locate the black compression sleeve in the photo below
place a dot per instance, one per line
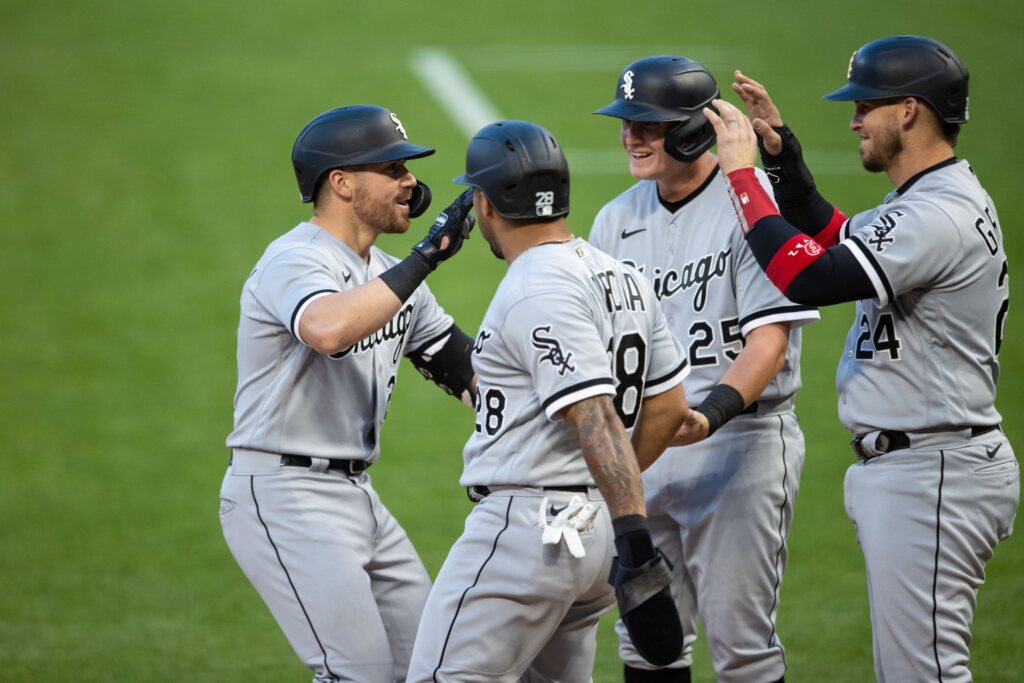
(722, 404)
(831, 278)
(403, 278)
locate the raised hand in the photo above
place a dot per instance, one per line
(764, 115)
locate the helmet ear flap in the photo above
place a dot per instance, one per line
(687, 140)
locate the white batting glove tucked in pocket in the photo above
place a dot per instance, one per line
(567, 524)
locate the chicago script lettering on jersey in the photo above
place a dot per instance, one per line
(478, 346)
(395, 329)
(553, 350)
(697, 273)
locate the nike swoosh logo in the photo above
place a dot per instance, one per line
(554, 511)
(992, 453)
(347, 276)
(630, 233)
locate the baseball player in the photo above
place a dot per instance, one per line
(572, 357)
(937, 486)
(325, 318)
(721, 509)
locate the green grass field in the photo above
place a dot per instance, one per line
(144, 166)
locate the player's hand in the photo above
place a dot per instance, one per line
(693, 429)
(449, 230)
(737, 143)
(764, 115)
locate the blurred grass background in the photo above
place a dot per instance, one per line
(144, 166)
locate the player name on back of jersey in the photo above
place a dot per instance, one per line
(619, 292)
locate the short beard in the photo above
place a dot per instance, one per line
(379, 214)
(887, 146)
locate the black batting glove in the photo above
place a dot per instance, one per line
(454, 223)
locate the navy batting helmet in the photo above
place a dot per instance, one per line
(668, 89)
(347, 136)
(908, 66)
(521, 169)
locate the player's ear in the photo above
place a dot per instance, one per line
(910, 112)
(481, 204)
(342, 182)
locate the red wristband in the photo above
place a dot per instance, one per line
(749, 198)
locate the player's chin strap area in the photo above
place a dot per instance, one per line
(567, 524)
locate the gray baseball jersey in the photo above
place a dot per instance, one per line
(567, 323)
(714, 293)
(921, 360)
(288, 397)
(922, 355)
(332, 564)
(709, 283)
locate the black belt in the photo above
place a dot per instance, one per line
(478, 493)
(890, 440)
(347, 466)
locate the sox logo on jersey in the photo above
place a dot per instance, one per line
(553, 349)
(884, 225)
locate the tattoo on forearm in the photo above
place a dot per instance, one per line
(610, 457)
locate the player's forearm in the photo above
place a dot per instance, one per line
(802, 268)
(660, 418)
(335, 322)
(762, 357)
(609, 455)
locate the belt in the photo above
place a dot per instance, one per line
(478, 493)
(889, 440)
(347, 466)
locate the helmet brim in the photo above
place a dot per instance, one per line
(643, 113)
(854, 91)
(394, 152)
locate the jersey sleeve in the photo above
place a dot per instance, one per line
(758, 301)
(554, 337)
(903, 246)
(430, 322)
(292, 281)
(668, 364)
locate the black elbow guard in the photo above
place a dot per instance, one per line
(447, 361)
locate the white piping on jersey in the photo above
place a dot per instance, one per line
(869, 269)
(302, 309)
(795, 318)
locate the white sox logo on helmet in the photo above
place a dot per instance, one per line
(627, 85)
(398, 125)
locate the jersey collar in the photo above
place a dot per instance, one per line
(913, 179)
(673, 207)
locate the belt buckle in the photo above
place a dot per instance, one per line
(477, 493)
(355, 467)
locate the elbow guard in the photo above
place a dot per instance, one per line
(447, 361)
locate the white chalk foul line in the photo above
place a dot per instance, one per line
(453, 89)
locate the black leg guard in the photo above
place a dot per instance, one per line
(632, 675)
